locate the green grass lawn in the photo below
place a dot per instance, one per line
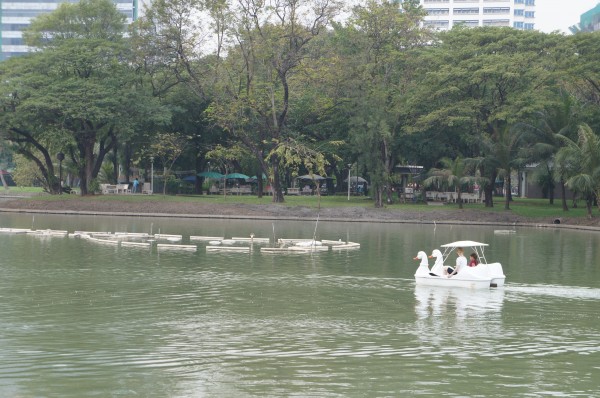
(521, 206)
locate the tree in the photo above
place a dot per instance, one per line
(78, 94)
(168, 148)
(375, 62)
(551, 124)
(582, 159)
(484, 80)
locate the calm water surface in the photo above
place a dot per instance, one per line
(86, 320)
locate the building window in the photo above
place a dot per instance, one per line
(438, 11)
(463, 11)
(528, 26)
(496, 10)
(470, 23)
(519, 13)
(496, 22)
(529, 14)
(529, 2)
(519, 1)
(437, 24)
(518, 25)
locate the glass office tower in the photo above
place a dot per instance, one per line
(17, 14)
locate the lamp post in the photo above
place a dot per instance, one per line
(60, 156)
(152, 174)
(349, 170)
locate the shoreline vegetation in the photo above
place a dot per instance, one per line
(524, 212)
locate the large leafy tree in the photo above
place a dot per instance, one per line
(485, 80)
(77, 94)
(259, 77)
(376, 64)
(581, 159)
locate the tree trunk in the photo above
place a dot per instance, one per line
(507, 189)
(277, 192)
(459, 198)
(563, 195)
(588, 204)
(259, 182)
(488, 191)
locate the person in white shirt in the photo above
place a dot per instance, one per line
(461, 262)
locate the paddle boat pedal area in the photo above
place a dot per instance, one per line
(482, 276)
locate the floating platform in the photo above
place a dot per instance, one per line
(14, 230)
(295, 249)
(255, 240)
(135, 244)
(48, 232)
(207, 238)
(504, 231)
(103, 241)
(172, 238)
(236, 249)
(165, 246)
(348, 245)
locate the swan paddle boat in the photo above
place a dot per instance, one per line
(482, 276)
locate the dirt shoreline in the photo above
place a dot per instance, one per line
(88, 205)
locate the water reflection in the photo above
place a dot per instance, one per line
(442, 301)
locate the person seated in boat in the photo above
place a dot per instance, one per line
(461, 262)
(473, 260)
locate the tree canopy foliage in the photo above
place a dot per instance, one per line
(294, 88)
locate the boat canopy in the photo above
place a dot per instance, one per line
(464, 243)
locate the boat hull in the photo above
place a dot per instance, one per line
(455, 281)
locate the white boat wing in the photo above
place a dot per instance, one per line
(465, 243)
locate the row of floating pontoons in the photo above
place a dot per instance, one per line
(213, 243)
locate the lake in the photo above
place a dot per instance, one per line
(81, 319)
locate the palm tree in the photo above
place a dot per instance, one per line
(454, 173)
(553, 124)
(581, 160)
(502, 154)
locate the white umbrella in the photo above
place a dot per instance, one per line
(314, 177)
(356, 179)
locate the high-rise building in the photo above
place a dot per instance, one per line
(15, 15)
(590, 20)
(444, 14)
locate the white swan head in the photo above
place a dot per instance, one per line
(423, 257)
(437, 255)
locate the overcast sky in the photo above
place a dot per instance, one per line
(551, 15)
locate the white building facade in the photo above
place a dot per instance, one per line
(15, 15)
(444, 14)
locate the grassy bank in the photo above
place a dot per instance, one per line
(533, 208)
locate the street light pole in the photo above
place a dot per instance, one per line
(349, 170)
(152, 174)
(60, 156)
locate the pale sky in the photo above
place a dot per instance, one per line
(551, 15)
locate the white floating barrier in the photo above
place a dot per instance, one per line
(237, 249)
(48, 232)
(292, 241)
(103, 241)
(294, 249)
(164, 246)
(219, 238)
(135, 244)
(172, 238)
(349, 245)
(257, 240)
(332, 242)
(125, 235)
(504, 231)
(14, 230)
